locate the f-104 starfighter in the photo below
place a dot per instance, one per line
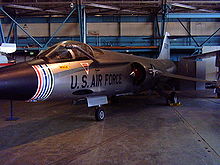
(75, 70)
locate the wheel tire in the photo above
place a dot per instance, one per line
(99, 114)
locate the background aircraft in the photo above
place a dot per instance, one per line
(5, 49)
(214, 84)
(74, 70)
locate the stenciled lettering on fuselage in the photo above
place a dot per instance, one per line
(45, 82)
(96, 80)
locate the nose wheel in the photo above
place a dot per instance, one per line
(99, 114)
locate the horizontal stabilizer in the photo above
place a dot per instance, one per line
(203, 55)
(7, 48)
(166, 74)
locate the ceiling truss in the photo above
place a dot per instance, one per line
(105, 7)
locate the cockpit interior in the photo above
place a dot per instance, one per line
(67, 51)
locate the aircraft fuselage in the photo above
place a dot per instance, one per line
(77, 79)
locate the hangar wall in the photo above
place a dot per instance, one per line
(115, 29)
(175, 28)
(204, 28)
(72, 29)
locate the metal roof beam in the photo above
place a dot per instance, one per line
(195, 2)
(84, 2)
(32, 8)
(3, 11)
(111, 8)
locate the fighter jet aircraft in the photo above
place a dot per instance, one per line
(75, 70)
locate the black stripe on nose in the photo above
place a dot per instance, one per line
(18, 82)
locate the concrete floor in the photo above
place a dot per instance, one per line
(137, 130)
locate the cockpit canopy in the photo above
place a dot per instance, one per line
(67, 51)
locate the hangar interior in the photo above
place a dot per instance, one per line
(139, 130)
(125, 26)
(135, 27)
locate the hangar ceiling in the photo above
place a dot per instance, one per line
(106, 7)
(133, 23)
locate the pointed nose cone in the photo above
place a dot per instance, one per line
(17, 82)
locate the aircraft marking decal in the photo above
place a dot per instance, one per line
(153, 71)
(64, 67)
(45, 82)
(52, 82)
(86, 67)
(39, 82)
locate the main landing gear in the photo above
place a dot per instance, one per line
(99, 113)
(97, 102)
(173, 99)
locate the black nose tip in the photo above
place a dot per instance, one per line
(18, 82)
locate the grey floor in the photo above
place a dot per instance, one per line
(137, 130)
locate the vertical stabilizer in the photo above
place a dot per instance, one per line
(165, 50)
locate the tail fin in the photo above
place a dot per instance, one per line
(165, 50)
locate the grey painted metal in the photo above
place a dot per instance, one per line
(58, 29)
(108, 74)
(97, 101)
(64, 89)
(20, 27)
(1, 32)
